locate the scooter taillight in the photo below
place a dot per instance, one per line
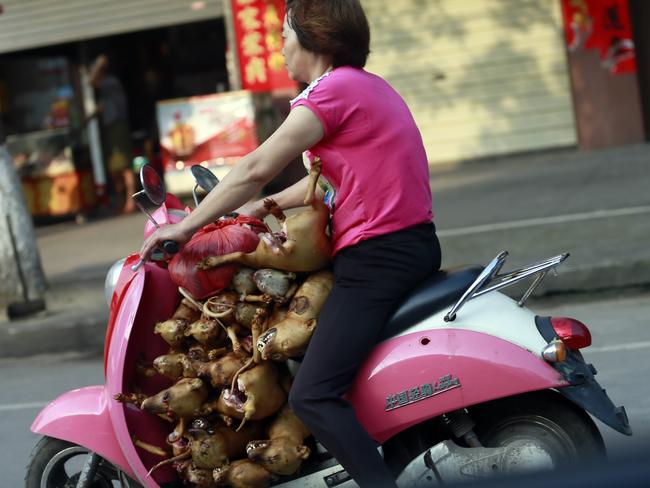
(572, 332)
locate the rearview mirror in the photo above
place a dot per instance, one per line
(204, 179)
(152, 185)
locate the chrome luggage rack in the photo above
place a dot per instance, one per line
(489, 279)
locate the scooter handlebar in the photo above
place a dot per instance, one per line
(170, 247)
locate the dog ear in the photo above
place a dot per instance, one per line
(303, 452)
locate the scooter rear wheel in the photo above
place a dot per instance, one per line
(540, 431)
(57, 464)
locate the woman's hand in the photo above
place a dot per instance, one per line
(171, 232)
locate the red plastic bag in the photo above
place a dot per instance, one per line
(222, 237)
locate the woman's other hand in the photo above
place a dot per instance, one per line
(171, 232)
(253, 209)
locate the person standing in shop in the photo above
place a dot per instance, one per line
(112, 110)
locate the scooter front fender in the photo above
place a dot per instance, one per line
(151, 297)
(418, 376)
(82, 417)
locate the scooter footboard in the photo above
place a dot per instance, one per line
(81, 416)
(418, 376)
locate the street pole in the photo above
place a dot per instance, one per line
(232, 59)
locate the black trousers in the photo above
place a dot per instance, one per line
(370, 278)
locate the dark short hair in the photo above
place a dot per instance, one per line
(336, 28)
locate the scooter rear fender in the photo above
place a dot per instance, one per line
(82, 417)
(418, 376)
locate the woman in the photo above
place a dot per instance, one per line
(383, 238)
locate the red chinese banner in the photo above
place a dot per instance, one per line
(604, 25)
(258, 30)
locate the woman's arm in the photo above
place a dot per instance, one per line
(300, 131)
(290, 197)
(294, 196)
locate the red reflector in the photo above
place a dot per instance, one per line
(572, 332)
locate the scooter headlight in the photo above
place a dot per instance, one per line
(111, 280)
(555, 352)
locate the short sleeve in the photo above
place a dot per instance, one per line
(323, 99)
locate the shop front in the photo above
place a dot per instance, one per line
(164, 50)
(40, 115)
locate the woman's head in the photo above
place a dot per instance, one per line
(336, 29)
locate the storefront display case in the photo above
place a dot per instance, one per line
(52, 184)
(45, 139)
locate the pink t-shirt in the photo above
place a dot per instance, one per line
(372, 155)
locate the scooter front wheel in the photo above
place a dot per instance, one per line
(58, 464)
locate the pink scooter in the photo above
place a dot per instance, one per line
(463, 383)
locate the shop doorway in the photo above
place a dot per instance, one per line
(160, 64)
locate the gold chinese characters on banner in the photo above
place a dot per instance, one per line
(258, 30)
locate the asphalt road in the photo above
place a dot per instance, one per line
(621, 342)
(537, 185)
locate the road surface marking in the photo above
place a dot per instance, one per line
(22, 406)
(557, 219)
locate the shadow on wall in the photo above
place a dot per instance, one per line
(492, 63)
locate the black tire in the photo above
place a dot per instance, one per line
(58, 463)
(558, 432)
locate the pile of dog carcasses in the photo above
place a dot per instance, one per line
(229, 421)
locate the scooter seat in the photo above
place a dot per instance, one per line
(440, 290)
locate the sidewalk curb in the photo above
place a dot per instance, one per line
(55, 333)
(602, 277)
(588, 279)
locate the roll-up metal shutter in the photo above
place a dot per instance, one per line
(27, 24)
(482, 77)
